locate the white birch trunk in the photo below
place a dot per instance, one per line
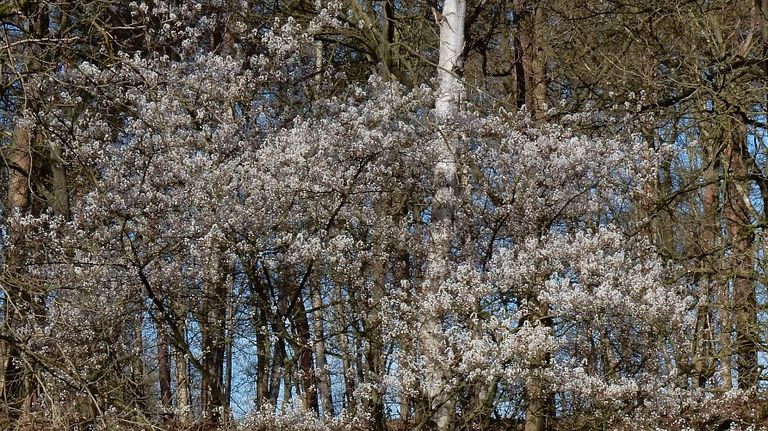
(450, 90)
(448, 103)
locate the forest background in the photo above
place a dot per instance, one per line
(383, 214)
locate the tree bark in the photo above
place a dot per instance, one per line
(18, 300)
(306, 362)
(263, 349)
(741, 239)
(212, 391)
(347, 358)
(323, 376)
(163, 366)
(374, 356)
(183, 394)
(277, 372)
(449, 98)
(529, 18)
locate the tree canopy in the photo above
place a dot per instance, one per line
(383, 215)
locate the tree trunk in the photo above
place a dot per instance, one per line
(347, 360)
(738, 215)
(374, 358)
(263, 349)
(539, 401)
(529, 18)
(163, 366)
(183, 394)
(323, 376)
(59, 198)
(306, 365)
(18, 300)
(451, 90)
(277, 372)
(212, 389)
(447, 104)
(229, 340)
(536, 410)
(385, 44)
(19, 162)
(530, 22)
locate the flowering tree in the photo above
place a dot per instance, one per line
(251, 233)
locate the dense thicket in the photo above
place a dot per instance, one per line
(383, 214)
